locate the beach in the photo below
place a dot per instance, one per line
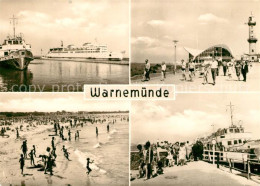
(109, 151)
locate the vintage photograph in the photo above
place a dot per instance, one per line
(60, 45)
(196, 45)
(63, 140)
(198, 139)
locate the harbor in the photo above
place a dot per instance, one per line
(61, 76)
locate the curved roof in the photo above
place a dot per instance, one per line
(196, 52)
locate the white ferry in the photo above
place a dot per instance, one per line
(232, 143)
(14, 52)
(87, 51)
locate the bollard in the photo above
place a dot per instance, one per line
(248, 170)
(218, 160)
(230, 166)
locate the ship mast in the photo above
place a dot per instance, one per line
(13, 20)
(231, 113)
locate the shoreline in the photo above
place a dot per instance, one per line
(122, 62)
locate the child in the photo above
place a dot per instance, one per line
(31, 154)
(88, 162)
(230, 67)
(21, 163)
(163, 71)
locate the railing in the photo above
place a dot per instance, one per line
(247, 162)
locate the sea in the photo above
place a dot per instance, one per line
(110, 152)
(62, 76)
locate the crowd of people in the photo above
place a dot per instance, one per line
(212, 64)
(46, 162)
(153, 158)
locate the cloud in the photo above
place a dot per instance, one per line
(143, 41)
(209, 17)
(156, 22)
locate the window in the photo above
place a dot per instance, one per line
(229, 143)
(6, 53)
(231, 130)
(235, 142)
(252, 50)
(22, 53)
(240, 141)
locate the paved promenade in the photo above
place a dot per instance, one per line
(223, 83)
(196, 174)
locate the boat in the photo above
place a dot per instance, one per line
(231, 143)
(14, 52)
(86, 51)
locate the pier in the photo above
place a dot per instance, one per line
(196, 173)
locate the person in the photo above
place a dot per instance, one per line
(88, 168)
(230, 68)
(34, 150)
(52, 142)
(66, 153)
(182, 154)
(205, 74)
(21, 163)
(147, 71)
(191, 69)
(224, 64)
(17, 133)
(214, 67)
(77, 134)
(96, 132)
(107, 128)
(46, 156)
(183, 69)
(69, 134)
(238, 69)
(148, 157)
(163, 66)
(24, 148)
(140, 161)
(31, 157)
(219, 66)
(244, 70)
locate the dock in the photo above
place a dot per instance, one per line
(196, 173)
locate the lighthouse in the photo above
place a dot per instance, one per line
(252, 39)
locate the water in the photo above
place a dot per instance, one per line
(62, 76)
(109, 152)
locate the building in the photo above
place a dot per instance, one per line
(220, 51)
(252, 39)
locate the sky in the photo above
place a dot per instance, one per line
(45, 23)
(191, 116)
(48, 102)
(196, 24)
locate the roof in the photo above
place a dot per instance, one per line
(196, 52)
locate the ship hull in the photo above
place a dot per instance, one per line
(18, 60)
(99, 56)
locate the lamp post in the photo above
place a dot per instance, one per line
(175, 45)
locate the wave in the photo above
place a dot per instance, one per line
(98, 145)
(113, 131)
(82, 158)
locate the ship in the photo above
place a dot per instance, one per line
(14, 52)
(87, 51)
(231, 143)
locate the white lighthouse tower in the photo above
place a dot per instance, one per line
(252, 39)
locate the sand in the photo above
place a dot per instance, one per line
(66, 172)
